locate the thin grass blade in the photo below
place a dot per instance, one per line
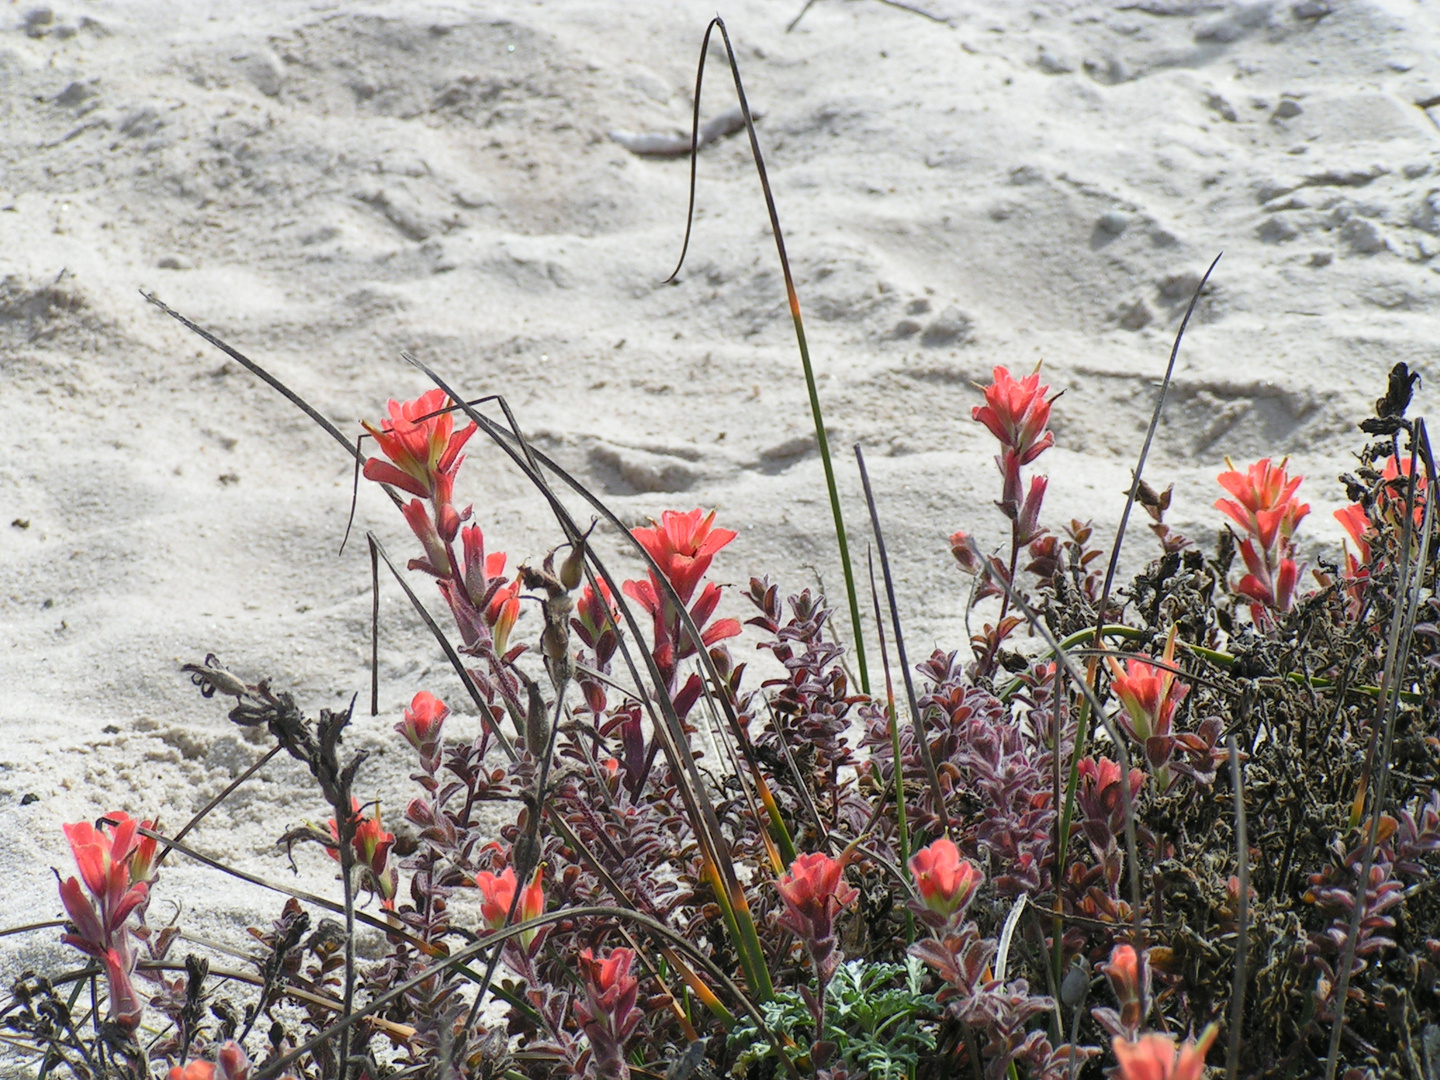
(822, 440)
(937, 795)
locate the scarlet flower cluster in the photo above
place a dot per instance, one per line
(1150, 694)
(946, 882)
(231, 1063)
(421, 728)
(497, 894)
(607, 1010)
(1016, 412)
(115, 865)
(682, 546)
(814, 891)
(1265, 508)
(1156, 1056)
(423, 452)
(371, 844)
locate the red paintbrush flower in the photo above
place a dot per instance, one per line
(946, 883)
(421, 444)
(421, 728)
(814, 889)
(683, 545)
(1149, 693)
(607, 1011)
(1129, 978)
(497, 893)
(230, 1063)
(1016, 413)
(371, 844)
(1156, 1057)
(1264, 505)
(115, 863)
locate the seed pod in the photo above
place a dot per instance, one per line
(572, 570)
(537, 731)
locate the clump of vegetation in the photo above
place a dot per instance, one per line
(1193, 821)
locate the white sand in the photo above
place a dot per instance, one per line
(326, 184)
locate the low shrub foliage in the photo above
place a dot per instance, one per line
(1213, 810)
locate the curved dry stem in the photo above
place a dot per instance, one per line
(1145, 451)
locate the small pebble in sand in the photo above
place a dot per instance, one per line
(1114, 222)
(1287, 108)
(1051, 64)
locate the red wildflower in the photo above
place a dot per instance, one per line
(498, 893)
(946, 882)
(371, 845)
(1357, 523)
(607, 1012)
(683, 545)
(502, 613)
(230, 1064)
(1149, 693)
(1265, 507)
(423, 446)
(1099, 797)
(1264, 504)
(114, 863)
(814, 889)
(421, 728)
(1016, 413)
(610, 988)
(1156, 1057)
(1129, 979)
